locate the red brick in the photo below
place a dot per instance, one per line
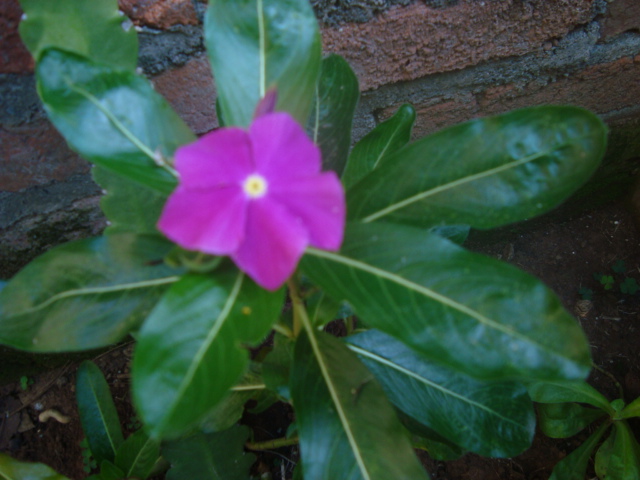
(604, 89)
(35, 154)
(160, 13)
(406, 43)
(14, 57)
(190, 90)
(622, 16)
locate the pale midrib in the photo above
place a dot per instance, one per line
(211, 336)
(102, 417)
(262, 46)
(422, 290)
(116, 123)
(447, 186)
(139, 455)
(386, 147)
(446, 391)
(334, 397)
(99, 290)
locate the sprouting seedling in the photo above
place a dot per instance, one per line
(606, 281)
(585, 293)
(619, 266)
(629, 286)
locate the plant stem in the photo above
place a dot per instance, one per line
(271, 444)
(612, 378)
(299, 311)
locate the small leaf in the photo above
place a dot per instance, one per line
(606, 281)
(85, 294)
(129, 206)
(467, 311)
(190, 350)
(629, 286)
(91, 28)
(489, 418)
(98, 414)
(569, 391)
(619, 266)
(347, 428)
(332, 115)
(603, 456)
(256, 45)
(624, 463)
(11, 469)
(574, 465)
(562, 420)
(137, 455)
(212, 456)
(386, 139)
(112, 118)
(276, 367)
(631, 410)
(484, 173)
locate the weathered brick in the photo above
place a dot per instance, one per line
(190, 90)
(14, 57)
(35, 154)
(622, 16)
(604, 89)
(160, 13)
(410, 42)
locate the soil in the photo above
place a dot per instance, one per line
(564, 254)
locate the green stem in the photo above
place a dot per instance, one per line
(271, 444)
(299, 311)
(612, 378)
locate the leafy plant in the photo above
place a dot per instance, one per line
(562, 413)
(448, 336)
(627, 285)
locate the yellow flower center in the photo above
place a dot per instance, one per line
(255, 186)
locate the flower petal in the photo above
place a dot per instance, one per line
(212, 222)
(319, 202)
(222, 157)
(273, 245)
(282, 148)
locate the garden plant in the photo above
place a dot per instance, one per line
(273, 223)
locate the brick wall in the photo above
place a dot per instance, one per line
(454, 60)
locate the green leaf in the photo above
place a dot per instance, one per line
(467, 311)
(569, 391)
(108, 471)
(276, 367)
(91, 28)
(255, 45)
(98, 414)
(332, 115)
(492, 419)
(137, 455)
(624, 463)
(129, 206)
(347, 428)
(574, 465)
(603, 455)
(386, 139)
(629, 286)
(11, 469)
(562, 420)
(190, 350)
(111, 117)
(631, 410)
(484, 173)
(214, 456)
(84, 294)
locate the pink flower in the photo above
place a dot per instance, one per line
(258, 196)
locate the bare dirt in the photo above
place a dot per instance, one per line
(565, 255)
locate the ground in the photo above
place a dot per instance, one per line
(567, 255)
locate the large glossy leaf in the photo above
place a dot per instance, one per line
(562, 420)
(111, 117)
(11, 469)
(190, 350)
(347, 427)
(85, 294)
(91, 28)
(493, 419)
(386, 139)
(470, 312)
(129, 206)
(484, 173)
(332, 114)
(214, 456)
(137, 455)
(255, 45)
(98, 414)
(574, 466)
(624, 463)
(569, 391)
